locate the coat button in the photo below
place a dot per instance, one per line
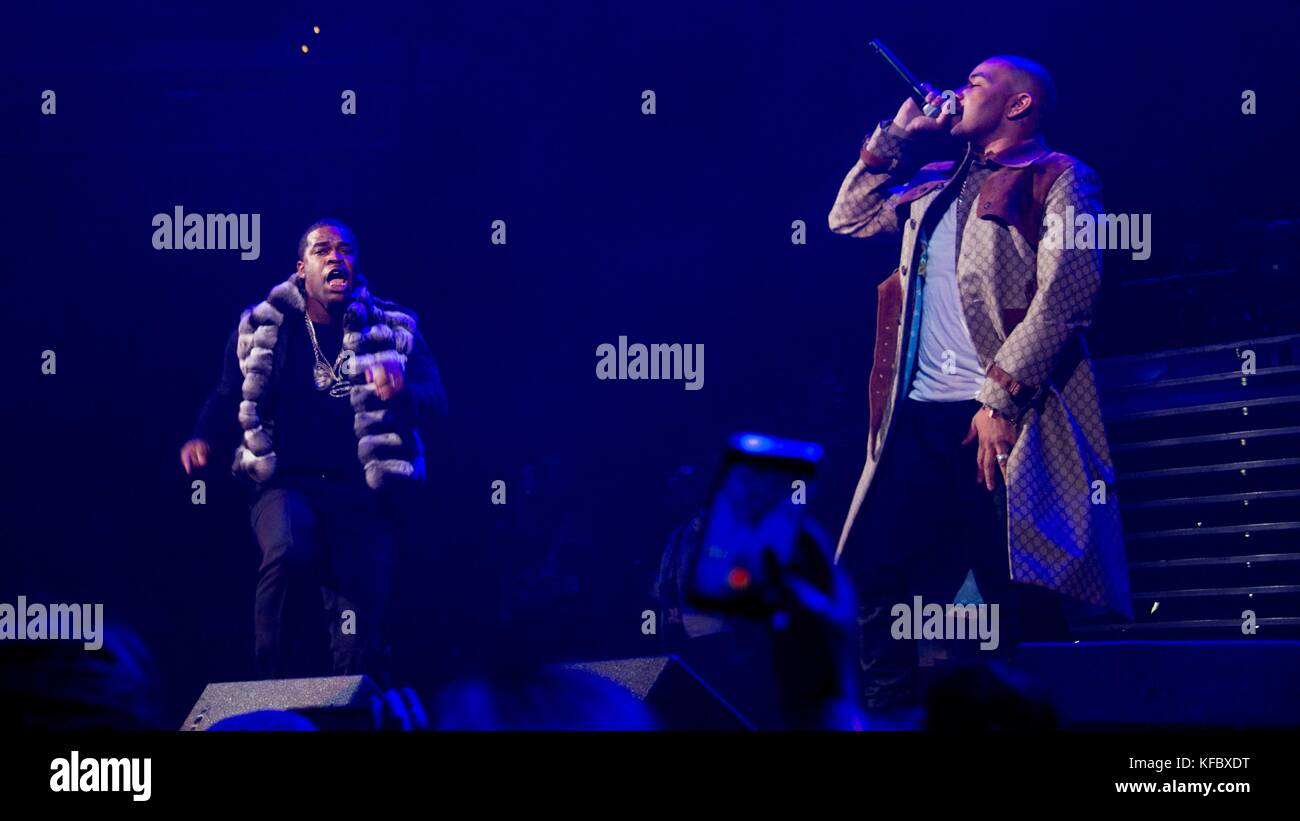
(911, 223)
(903, 270)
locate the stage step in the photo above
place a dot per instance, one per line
(1129, 684)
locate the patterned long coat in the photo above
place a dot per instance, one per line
(1026, 304)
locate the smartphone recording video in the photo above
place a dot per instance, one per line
(753, 523)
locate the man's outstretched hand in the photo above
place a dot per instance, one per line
(194, 454)
(389, 379)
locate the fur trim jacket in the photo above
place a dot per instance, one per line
(375, 331)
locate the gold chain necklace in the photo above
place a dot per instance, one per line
(327, 376)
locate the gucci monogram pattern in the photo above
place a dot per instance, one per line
(1026, 306)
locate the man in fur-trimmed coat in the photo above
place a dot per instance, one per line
(986, 449)
(324, 393)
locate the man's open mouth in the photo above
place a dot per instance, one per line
(337, 280)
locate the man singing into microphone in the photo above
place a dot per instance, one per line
(986, 450)
(324, 393)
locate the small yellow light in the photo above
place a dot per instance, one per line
(304, 48)
(315, 29)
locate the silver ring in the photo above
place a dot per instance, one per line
(1002, 457)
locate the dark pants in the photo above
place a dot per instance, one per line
(324, 544)
(925, 524)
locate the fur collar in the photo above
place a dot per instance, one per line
(374, 331)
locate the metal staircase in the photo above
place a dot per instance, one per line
(1199, 376)
(1206, 444)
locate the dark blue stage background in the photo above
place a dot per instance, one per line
(667, 228)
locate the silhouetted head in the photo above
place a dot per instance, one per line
(61, 685)
(981, 698)
(550, 699)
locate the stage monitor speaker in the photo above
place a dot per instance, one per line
(679, 697)
(231, 698)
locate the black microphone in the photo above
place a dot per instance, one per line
(913, 85)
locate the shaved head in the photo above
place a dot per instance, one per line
(1031, 78)
(1006, 99)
